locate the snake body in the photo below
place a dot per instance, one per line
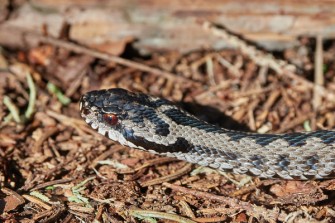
(158, 126)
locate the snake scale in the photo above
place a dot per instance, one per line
(158, 126)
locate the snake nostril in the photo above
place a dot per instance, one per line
(85, 111)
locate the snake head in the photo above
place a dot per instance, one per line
(122, 115)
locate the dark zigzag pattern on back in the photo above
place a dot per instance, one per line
(181, 145)
(103, 98)
(293, 139)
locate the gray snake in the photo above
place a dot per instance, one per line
(159, 126)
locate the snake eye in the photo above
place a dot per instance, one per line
(111, 119)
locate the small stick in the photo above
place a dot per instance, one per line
(51, 183)
(169, 177)
(259, 57)
(37, 201)
(105, 56)
(142, 214)
(253, 210)
(318, 73)
(265, 59)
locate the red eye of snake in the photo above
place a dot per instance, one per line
(111, 119)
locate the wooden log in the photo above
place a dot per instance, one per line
(173, 24)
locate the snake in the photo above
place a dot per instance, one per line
(159, 126)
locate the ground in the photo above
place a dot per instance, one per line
(54, 168)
